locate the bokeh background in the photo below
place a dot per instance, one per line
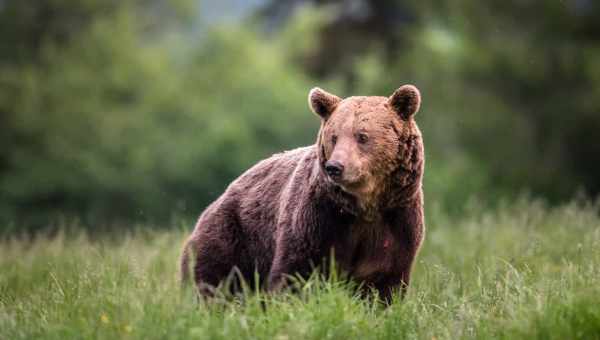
(117, 112)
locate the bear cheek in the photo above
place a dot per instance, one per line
(385, 159)
(364, 167)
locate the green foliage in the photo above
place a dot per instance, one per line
(521, 272)
(119, 111)
(111, 125)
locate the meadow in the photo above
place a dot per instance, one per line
(522, 270)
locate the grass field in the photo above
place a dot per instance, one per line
(521, 271)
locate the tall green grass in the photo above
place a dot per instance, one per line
(521, 271)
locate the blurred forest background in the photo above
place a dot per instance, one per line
(121, 111)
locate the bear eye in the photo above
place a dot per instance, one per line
(333, 139)
(362, 138)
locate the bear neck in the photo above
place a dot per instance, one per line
(404, 184)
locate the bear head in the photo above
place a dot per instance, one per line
(370, 147)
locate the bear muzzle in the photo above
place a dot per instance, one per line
(334, 170)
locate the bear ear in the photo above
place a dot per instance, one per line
(406, 101)
(322, 102)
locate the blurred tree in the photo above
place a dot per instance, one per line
(125, 110)
(510, 87)
(352, 29)
(115, 123)
(541, 61)
(63, 65)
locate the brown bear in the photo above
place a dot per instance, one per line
(356, 195)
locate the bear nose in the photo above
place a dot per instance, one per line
(334, 168)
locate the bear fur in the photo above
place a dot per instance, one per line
(355, 195)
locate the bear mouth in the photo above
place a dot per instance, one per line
(350, 186)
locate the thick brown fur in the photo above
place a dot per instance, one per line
(286, 214)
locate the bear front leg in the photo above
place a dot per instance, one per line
(288, 262)
(295, 254)
(394, 283)
(399, 279)
(408, 232)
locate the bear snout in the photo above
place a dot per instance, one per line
(334, 169)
